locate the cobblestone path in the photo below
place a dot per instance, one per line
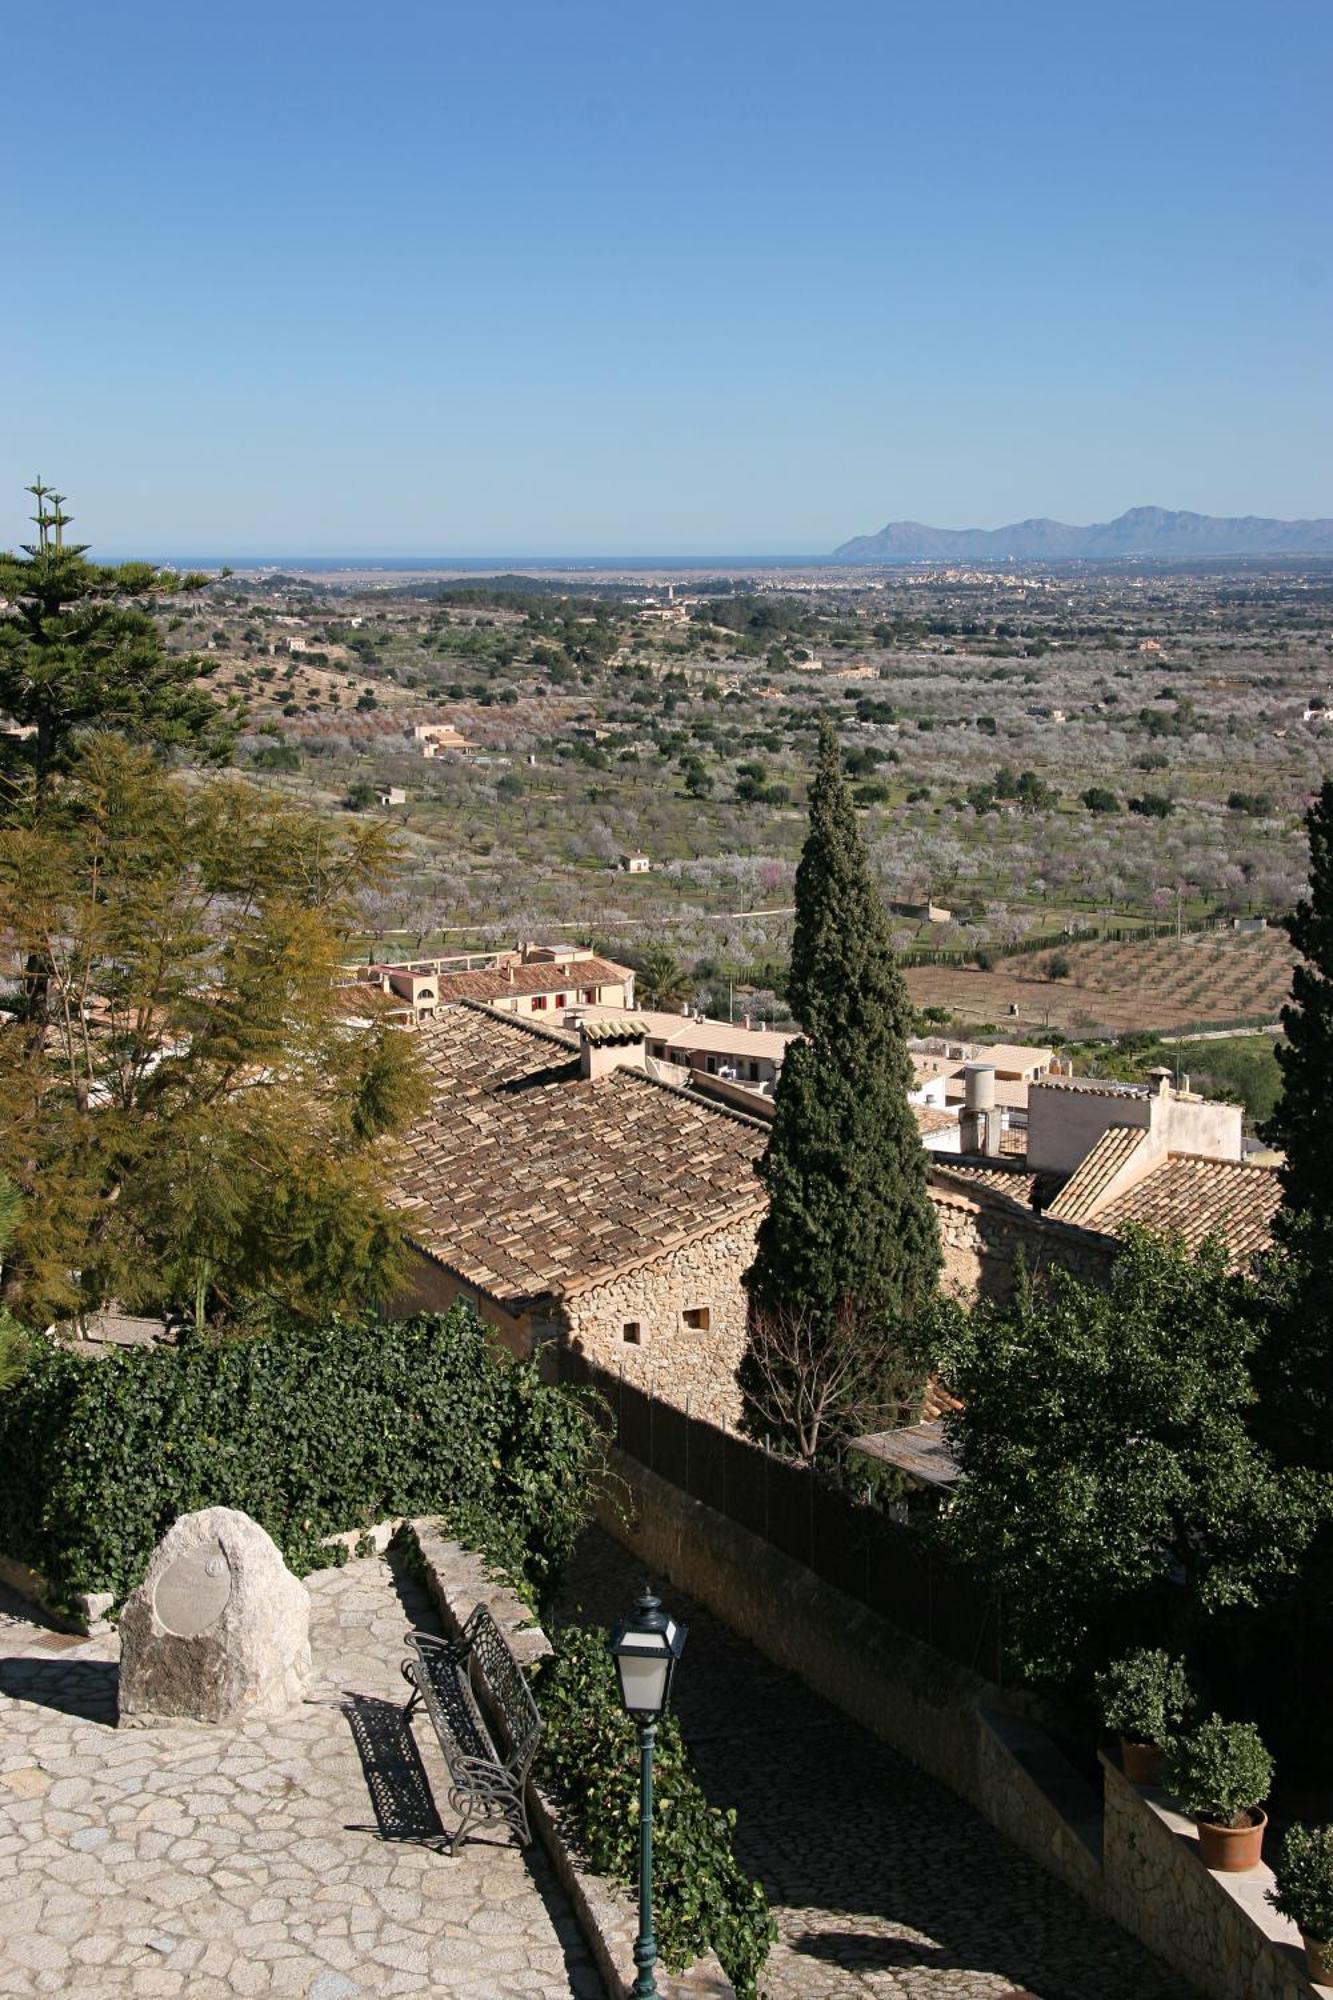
(883, 1883)
(206, 1863)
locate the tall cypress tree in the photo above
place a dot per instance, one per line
(850, 1221)
(1294, 1366)
(1300, 1123)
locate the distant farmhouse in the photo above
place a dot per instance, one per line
(532, 979)
(441, 739)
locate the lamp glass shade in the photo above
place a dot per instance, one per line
(643, 1681)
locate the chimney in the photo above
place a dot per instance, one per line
(982, 1121)
(608, 1045)
(745, 1022)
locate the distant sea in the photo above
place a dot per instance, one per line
(482, 564)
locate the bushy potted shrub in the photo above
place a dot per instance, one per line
(1145, 1697)
(1304, 1892)
(1220, 1772)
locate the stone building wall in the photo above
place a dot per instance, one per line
(683, 1364)
(981, 1242)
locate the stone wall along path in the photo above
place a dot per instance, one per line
(883, 1883)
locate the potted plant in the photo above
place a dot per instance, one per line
(1304, 1892)
(1219, 1772)
(1145, 1697)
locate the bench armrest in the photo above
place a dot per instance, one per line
(431, 1642)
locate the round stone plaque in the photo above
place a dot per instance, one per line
(193, 1593)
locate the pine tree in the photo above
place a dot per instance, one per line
(80, 651)
(1300, 1123)
(849, 1222)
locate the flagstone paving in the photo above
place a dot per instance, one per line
(207, 1863)
(883, 1883)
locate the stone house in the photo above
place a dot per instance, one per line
(574, 1199)
(580, 1201)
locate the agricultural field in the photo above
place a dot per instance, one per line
(1061, 753)
(1162, 985)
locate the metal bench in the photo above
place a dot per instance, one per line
(463, 1683)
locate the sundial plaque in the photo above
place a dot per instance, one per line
(192, 1594)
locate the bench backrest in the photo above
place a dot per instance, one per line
(504, 1681)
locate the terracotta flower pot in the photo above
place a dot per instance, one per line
(1141, 1762)
(1319, 1958)
(1232, 1849)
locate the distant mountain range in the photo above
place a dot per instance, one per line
(1143, 531)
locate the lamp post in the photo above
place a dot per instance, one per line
(646, 1647)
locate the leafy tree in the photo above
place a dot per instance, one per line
(1098, 799)
(15, 1343)
(660, 980)
(849, 1224)
(1112, 1488)
(80, 651)
(188, 1114)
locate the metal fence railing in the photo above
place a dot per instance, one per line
(885, 1565)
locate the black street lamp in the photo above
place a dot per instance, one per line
(646, 1647)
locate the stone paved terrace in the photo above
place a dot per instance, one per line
(205, 1863)
(883, 1882)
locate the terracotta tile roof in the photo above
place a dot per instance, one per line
(1196, 1197)
(1091, 1086)
(572, 977)
(929, 1118)
(965, 1176)
(528, 1180)
(1082, 1194)
(937, 1401)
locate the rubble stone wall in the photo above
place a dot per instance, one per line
(982, 1243)
(683, 1364)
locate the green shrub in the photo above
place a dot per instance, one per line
(309, 1430)
(1145, 1696)
(702, 1898)
(1219, 1771)
(1304, 1886)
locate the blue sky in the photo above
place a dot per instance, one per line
(735, 278)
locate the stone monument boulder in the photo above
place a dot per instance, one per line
(218, 1630)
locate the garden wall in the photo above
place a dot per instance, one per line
(1217, 1931)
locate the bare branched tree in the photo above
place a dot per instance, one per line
(815, 1381)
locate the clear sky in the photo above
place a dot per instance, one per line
(514, 277)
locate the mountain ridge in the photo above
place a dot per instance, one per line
(1140, 531)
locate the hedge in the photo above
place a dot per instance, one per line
(310, 1431)
(702, 1898)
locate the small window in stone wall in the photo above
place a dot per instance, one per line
(697, 1317)
(632, 1332)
